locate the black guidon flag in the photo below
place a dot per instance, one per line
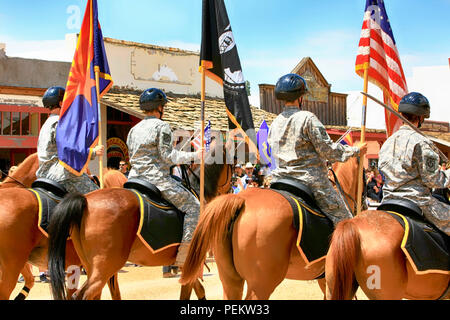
(219, 57)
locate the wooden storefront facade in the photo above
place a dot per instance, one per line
(329, 107)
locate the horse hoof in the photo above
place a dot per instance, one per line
(23, 294)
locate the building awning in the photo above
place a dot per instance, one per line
(183, 112)
(443, 145)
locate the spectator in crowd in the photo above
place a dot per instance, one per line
(123, 167)
(374, 185)
(248, 176)
(267, 181)
(238, 171)
(170, 271)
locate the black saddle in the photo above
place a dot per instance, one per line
(148, 189)
(426, 247)
(49, 186)
(160, 223)
(403, 206)
(298, 189)
(48, 193)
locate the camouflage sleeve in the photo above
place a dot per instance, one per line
(323, 144)
(168, 153)
(428, 166)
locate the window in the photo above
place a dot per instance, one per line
(21, 120)
(6, 123)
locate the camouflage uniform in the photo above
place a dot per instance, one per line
(410, 166)
(151, 156)
(301, 146)
(49, 166)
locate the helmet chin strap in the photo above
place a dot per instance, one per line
(421, 120)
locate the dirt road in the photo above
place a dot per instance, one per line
(147, 283)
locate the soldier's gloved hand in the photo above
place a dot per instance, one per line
(199, 152)
(99, 150)
(362, 148)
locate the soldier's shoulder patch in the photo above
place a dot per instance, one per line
(166, 139)
(430, 164)
(324, 133)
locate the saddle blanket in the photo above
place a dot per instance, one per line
(47, 201)
(426, 248)
(160, 224)
(314, 229)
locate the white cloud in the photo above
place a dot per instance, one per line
(52, 50)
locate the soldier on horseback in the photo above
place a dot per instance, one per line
(410, 164)
(49, 166)
(301, 146)
(151, 151)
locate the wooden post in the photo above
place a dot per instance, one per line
(363, 139)
(100, 136)
(202, 117)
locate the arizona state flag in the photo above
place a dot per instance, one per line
(219, 56)
(78, 127)
(347, 139)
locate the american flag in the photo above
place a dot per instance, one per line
(197, 142)
(378, 52)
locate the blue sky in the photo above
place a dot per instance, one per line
(272, 35)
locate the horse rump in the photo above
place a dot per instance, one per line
(212, 229)
(67, 213)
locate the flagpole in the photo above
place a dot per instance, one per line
(362, 139)
(100, 136)
(202, 117)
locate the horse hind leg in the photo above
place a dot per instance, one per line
(232, 282)
(9, 273)
(199, 290)
(102, 272)
(29, 282)
(186, 291)
(113, 285)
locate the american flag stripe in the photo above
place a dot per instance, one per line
(197, 142)
(378, 52)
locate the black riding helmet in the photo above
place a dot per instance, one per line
(290, 87)
(415, 103)
(52, 97)
(152, 98)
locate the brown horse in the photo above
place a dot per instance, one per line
(21, 240)
(261, 249)
(365, 251)
(103, 227)
(113, 179)
(23, 177)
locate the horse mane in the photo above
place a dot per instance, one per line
(25, 173)
(212, 172)
(114, 179)
(348, 179)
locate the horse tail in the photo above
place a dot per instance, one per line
(65, 215)
(345, 249)
(212, 229)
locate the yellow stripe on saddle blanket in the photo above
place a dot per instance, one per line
(160, 225)
(46, 202)
(314, 229)
(426, 248)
